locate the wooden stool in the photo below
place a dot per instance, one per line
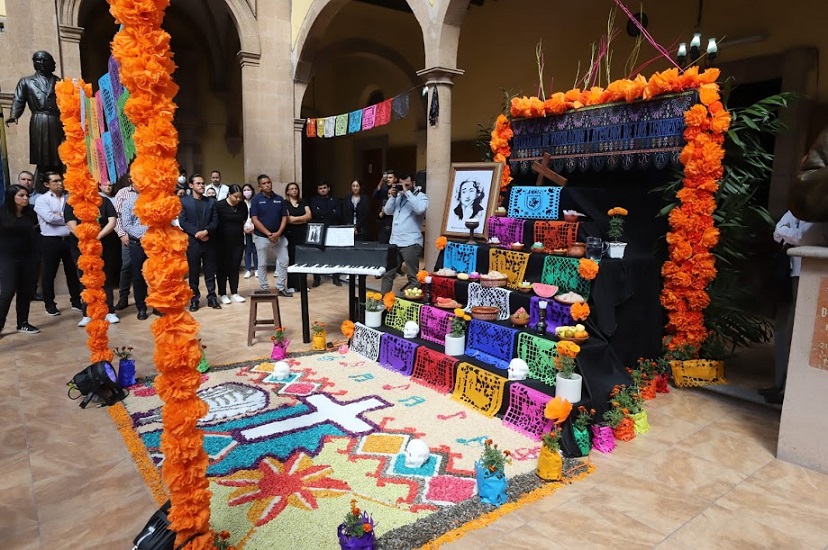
(254, 324)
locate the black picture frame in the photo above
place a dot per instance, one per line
(315, 235)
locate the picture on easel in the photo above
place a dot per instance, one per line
(472, 195)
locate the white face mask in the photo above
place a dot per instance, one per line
(248, 193)
(182, 179)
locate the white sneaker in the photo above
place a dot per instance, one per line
(112, 318)
(238, 299)
(225, 299)
(247, 274)
(84, 321)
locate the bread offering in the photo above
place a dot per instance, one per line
(570, 298)
(445, 272)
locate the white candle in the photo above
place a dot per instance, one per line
(682, 50)
(428, 279)
(542, 304)
(696, 41)
(712, 48)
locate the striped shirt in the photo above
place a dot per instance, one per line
(129, 220)
(118, 201)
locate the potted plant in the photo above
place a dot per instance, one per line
(616, 231)
(203, 364)
(280, 343)
(320, 336)
(126, 366)
(567, 382)
(456, 338)
(689, 370)
(628, 399)
(373, 309)
(221, 541)
(550, 463)
(603, 436)
(356, 532)
(580, 429)
(491, 474)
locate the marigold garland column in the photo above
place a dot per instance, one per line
(85, 200)
(142, 48)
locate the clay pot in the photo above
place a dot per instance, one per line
(577, 250)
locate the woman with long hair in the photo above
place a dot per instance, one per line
(232, 215)
(355, 210)
(299, 214)
(251, 261)
(18, 266)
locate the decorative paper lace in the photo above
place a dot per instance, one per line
(434, 324)
(510, 263)
(491, 343)
(539, 353)
(485, 296)
(555, 234)
(535, 203)
(508, 230)
(397, 354)
(525, 413)
(434, 369)
(401, 312)
(557, 314)
(582, 439)
(442, 287)
(640, 423)
(366, 341)
(563, 273)
(462, 258)
(603, 439)
(479, 389)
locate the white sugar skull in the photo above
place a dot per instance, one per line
(518, 369)
(416, 453)
(281, 370)
(411, 329)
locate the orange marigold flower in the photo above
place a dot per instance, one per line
(421, 276)
(579, 312)
(389, 300)
(224, 535)
(367, 527)
(557, 409)
(441, 243)
(587, 269)
(347, 328)
(708, 93)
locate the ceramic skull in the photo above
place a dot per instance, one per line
(411, 329)
(518, 369)
(416, 453)
(281, 370)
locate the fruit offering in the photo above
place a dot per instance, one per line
(414, 293)
(463, 276)
(577, 332)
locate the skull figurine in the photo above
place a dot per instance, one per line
(518, 369)
(416, 453)
(411, 329)
(281, 370)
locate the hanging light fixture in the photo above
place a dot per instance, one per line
(711, 53)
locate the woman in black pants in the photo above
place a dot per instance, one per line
(232, 213)
(18, 267)
(299, 214)
(355, 209)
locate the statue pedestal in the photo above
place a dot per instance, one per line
(804, 420)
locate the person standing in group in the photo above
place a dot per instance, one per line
(111, 254)
(269, 216)
(355, 209)
(125, 279)
(135, 231)
(299, 215)
(25, 179)
(199, 221)
(218, 188)
(408, 205)
(55, 244)
(325, 208)
(384, 221)
(251, 264)
(18, 227)
(232, 215)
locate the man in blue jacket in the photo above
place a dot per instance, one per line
(198, 219)
(408, 204)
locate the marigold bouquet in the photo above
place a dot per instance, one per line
(587, 269)
(441, 243)
(373, 302)
(458, 322)
(279, 335)
(613, 417)
(584, 417)
(616, 223)
(357, 523)
(567, 351)
(552, 439)
(317, 327)
(494, 459)
(124, 352)
(347, 328)
(627, 399)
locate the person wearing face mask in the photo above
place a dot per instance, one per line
(251, 264)
(232, 215)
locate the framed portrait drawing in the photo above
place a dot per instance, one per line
(316, 234)
(474, 188)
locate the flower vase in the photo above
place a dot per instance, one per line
(279, 350)
(568, 388)
(455, 345)
(616, 250)
(640, 423)
(697, 372)
(491, 486)
(603, 439)
(126, 372)
(550, 464)
(203, 365)
(346, 542)
(648, 390)
(373, 319)
(625, 430)
(661, 383)
(582, 439)
(319, 341)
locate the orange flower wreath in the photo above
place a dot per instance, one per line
(142, 48)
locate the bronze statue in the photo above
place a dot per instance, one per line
(45, 129)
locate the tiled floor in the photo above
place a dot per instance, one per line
(704, 477)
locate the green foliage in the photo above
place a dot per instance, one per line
(613, 416)
(552, 440)
(740, 220)
(584, 417)
(494, 459)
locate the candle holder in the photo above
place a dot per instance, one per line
(427, 291)
(540, 327)
(472, 225)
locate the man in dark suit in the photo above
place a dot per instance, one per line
(45, 129)
(198, 219)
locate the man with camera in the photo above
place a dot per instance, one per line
(407, 204)
(384, 221)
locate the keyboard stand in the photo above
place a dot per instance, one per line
(356, 297)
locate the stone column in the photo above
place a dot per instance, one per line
(298, 131)
(70, 38)
(438, 151)
(804, 423)
(253, 154)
